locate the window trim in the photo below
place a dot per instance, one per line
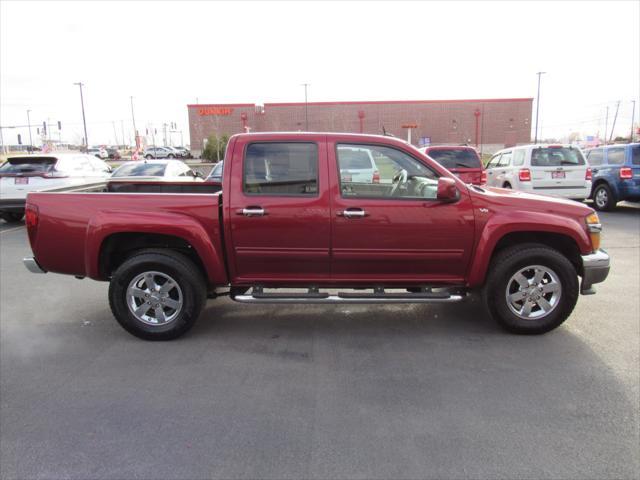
(367, 197)
(296, 195)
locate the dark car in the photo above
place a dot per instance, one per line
(462, 161)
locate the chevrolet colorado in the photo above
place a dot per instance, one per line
(290, 226)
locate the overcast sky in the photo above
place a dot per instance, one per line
(168, 54)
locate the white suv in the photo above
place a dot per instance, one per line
(548, 169)
(358, 166)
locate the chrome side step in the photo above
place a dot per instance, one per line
(379, 296)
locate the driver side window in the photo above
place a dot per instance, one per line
(375, 171)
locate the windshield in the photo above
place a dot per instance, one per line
(141, 170)
(556, 157)
(22, 165)
(354, 159)
(455, 158)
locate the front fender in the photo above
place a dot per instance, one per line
(183, 226)
(502, 224)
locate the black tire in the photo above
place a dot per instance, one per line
(506, 264)
(171, 156)
(507, 185)
(12, 217)
(177, 266)
(603, 199)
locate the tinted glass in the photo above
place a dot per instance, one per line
(595, 157)
(456, 158)
(355, 158)
(518, 158)
(26, 165)
(397, 175)
(140, 170)
(635, 155)
(281, 169)
(556, 157)
(615, 156)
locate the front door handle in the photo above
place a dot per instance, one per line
(353, 213)
(252, 212)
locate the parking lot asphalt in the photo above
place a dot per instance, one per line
(424, 391)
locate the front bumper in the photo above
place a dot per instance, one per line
(32, 265)
(595, 269)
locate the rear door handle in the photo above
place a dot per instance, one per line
(353, 213)
(252, 212)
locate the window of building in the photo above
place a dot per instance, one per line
(281, 169)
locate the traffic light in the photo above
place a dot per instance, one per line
(19, 139)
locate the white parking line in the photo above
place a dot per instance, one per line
(12, 229)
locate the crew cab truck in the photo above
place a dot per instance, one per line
(289, 227)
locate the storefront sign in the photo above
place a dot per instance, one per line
(202, 111)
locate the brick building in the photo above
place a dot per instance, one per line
(490, 124)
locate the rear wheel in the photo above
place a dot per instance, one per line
(603, 199)
(531, 289)
(12, 217)
(157, 294)
(171, 156)
(507, 185)
(148, 157)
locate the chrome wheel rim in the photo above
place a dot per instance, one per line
(154, 298)
(533, 292)
(601, 197)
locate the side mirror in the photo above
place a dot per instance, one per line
(447, 191)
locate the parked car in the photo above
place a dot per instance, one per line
(216, 173)
(185, 152)
(113, 153)
(176, 152)
(462, 161)
(616, 174)
(158, 152)
(358, 166)
(23, 174)
(426, 237)
(99, 152)
(559, 170)
(164, 170)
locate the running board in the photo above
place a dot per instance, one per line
(379, 296)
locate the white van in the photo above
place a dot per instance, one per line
(548, 169)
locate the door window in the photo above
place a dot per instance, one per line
(595, 156)
(505, 161)
(494, 161)
(281, 169)
(615, 156)
(375, 171)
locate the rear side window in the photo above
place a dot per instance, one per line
(456, 158)
(27, 165)
(615, 156)
(518, 158)
(635, 155)
(595, 156)
(281, 169)
(556, 157)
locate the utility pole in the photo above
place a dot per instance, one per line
(306, 107)
(614, 121)
(633, 118)
(538, 105)
(31, 141)
(122, 128)
(115, 135)
(133, 118)
(84, 121)
(606, 125)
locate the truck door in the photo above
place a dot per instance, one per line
(278, 210)
(392, 229)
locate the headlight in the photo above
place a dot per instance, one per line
(594, 227)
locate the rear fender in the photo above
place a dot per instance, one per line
(187, 228)
(502, 224)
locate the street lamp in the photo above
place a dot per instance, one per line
(306, 109)
(84, 121)
(538, 105)
(29, 123)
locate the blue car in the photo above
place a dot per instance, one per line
(616, 174)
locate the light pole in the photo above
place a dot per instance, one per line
(31, 141)
(306, 108)
(84, 121)
(133, 118)
(633, 118)
(538, 105)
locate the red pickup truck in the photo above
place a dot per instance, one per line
(289, 227)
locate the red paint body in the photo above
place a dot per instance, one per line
(303, 240)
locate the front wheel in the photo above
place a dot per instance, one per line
(148, 157)
(157, 294)
(171, 156)
(603, 198)
(531, 289)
